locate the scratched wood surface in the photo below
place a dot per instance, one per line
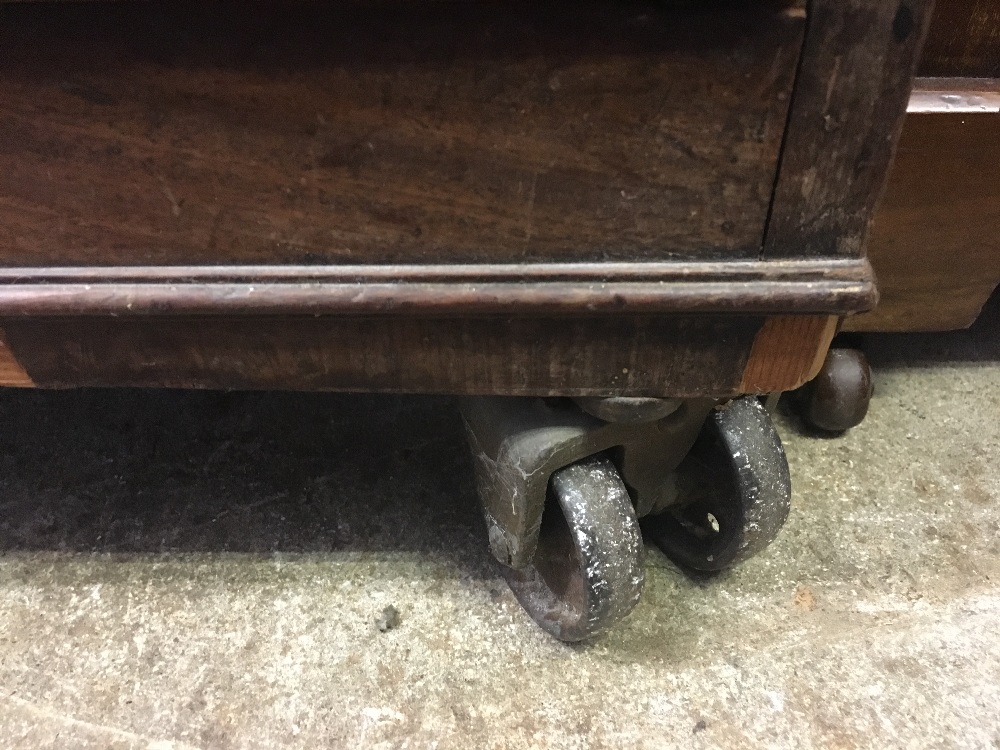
(684, 356)
(171, 133)
(443, 133)
(964, 40)
(857, 68)
(746, 287)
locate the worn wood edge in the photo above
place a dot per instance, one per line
(788, 352)
(950, 95)
(950, 295)
(815, 117)
(883, 320)
(802, 270)
(714, 287)
(11, 372)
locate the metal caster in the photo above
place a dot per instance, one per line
(837, 398)
(733, 492)
(587, 570)
(561, 491)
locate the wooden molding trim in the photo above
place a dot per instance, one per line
(954, 95)
(746, 287)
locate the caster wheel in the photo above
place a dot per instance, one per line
(837, 399)
(586, 573)
(732, 492)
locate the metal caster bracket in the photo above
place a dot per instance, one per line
(519, 443)
(562, 489)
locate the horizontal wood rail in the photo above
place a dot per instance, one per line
(696, 287)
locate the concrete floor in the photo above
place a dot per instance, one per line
(185, 570)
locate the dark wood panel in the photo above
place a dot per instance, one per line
(333, 132)
(641, 356)
(964, 40)
(850, 99)
(935, 245)
(690, 356)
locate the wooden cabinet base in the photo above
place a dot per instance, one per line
(684, 356)
(581, 199)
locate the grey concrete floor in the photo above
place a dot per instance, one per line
(185, 570)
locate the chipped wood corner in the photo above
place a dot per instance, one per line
(11, 372)
(787, 352)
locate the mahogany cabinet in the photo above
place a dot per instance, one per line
(656, 209)
(522, 198)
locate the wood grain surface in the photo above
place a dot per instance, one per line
(788, 351)
(683, 356)
(675, 355)
(935, 245)
(964, 40)
(398, 165)
(274, 132)
(737, 287)
(850, 99)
